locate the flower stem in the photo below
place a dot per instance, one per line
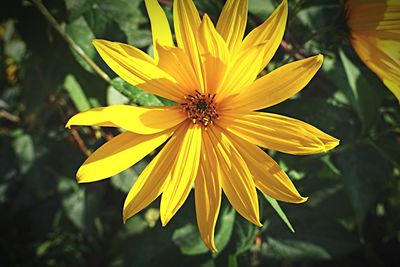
(45, 12)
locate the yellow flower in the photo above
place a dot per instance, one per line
(375, 35)
(212, 136)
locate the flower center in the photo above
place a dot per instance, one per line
(200, 108)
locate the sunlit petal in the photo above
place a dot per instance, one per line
(237, 181)
(183, 174)
(375, 35)
(186, 24)
(214, 55)
(152, 180)
(141, 120)
(241, 72)
(232, 23)
(160, 29)
(279, 133)
(267, 175)
(119, 154)
(208, 194)
(138, 69)
(176, 62)
(276, 86)
(270, 32)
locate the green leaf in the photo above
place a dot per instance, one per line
(128, 16)
(279, 210)
(80, 32)
(73, 201)
(138, 96)
(124, 180)
(364, 172)
(295, 250)
(363, 96)
(76, 8)
(243, 235)
(313, 226)
(114, 97)
(188, 239)
(261, 8)
(76, 93)
(15, 49)
(25, 151)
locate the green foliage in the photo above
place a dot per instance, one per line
(48, 219)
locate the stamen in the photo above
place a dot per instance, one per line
(200, 108)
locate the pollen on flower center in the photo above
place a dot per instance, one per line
(200, 108)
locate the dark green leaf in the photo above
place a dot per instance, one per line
(364, 172)
(188, 239)
(135, 94)
(25, 151)
(279, 211)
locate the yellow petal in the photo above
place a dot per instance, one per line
(278, 132)
(183, 173)
(237, 182)
(214, 55)
(232, 23)
(186, 24)
(270, 32)
(176, 62)
(118, 154)
(267, 175)
(276, 86)
(138, 69)
(364, 16)
(152, 180)
(208, 194)
(159, 26)
(382, 57)
(141, 120)
(241, 72)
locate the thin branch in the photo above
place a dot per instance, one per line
(7, 115)
(77, 138)
(45, 12)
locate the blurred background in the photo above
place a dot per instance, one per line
(49, 71)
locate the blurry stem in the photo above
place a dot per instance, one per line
(68, 39)
(77, 138)
(166, 3)
(7, 115)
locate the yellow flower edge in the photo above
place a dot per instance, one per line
(375, 36)
(213, 138)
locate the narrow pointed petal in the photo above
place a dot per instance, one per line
(241, 72)
(138, 69)
(278, 85)
(118, 154)
(152, 180)
(232, 23)
(237, 181)
(159, 26)
(267, 174)
(278, 133)
(176, 62)
(208, 194)
(183, 174)
(186, 24)
(270, 32)
(141, 120)
(214, 55)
